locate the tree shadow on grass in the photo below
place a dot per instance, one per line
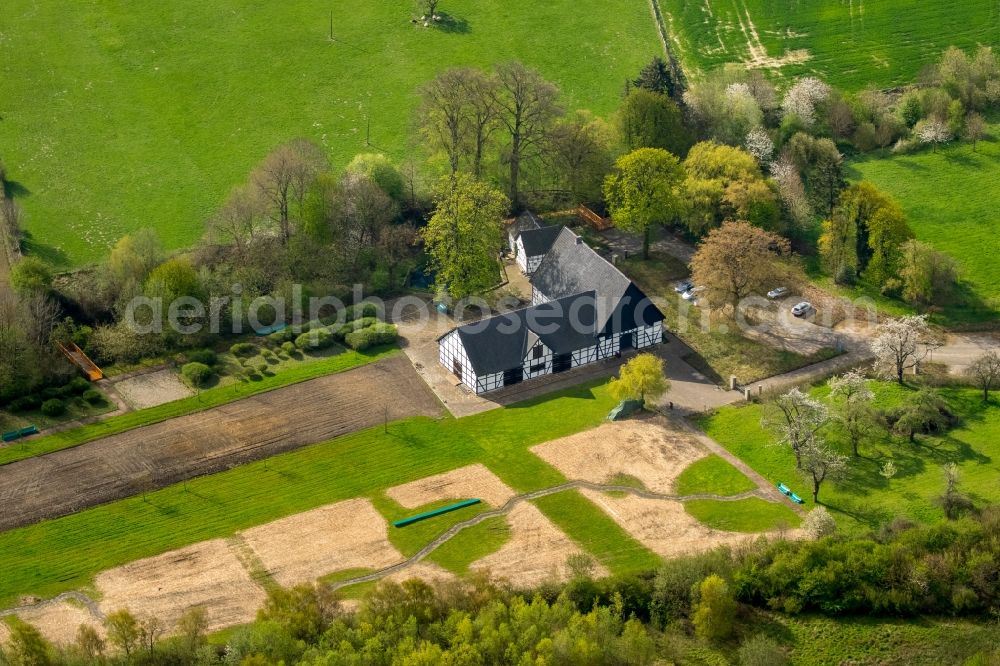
(15, 190)
(446, 23)
(47, 253)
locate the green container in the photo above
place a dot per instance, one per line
(436, 512)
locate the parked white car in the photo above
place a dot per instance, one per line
(803, 309)
(778, 292)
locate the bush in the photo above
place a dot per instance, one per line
(77, 386)
(761, 651)
(282, 336)
(197, 374)
(377, 334)
(54, 407)
(819, 523)
(26, 403)
(244, 349)
(93, 396)
(288, 347)
(319, 338)
(203, 356)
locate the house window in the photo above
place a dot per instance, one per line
(537, 352)
(538, 367)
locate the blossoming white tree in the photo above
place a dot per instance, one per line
(802, 98)
(760, 145)
(897, 345)
(796, 418)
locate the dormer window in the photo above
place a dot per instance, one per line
(537, 352)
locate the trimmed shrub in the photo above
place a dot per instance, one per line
(54, 407)
(244, 349)
(361, 310)
(197, 374)
(52, 392)
(26, 403)
(203, 356)
(288, 347)
(77, 386)
(377, 334)
(320, 338)
(93, 396)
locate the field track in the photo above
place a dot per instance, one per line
(162, 454)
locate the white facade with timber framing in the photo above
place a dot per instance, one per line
(583, 310)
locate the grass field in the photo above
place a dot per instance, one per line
(949, 198)
(118, 116)
(850, 43)
(865, 499)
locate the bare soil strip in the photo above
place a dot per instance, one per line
(152, 389)
(165, 453)
(663, 526)
(306, 546)
(463, 483)
(536, 552)
(205, 574)
(645, 449)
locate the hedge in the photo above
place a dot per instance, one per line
(320, 338)
(243, 349)
(53, 407)
(376, 334)
(203, 356)
(197, 374)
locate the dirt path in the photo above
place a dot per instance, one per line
(162, 454)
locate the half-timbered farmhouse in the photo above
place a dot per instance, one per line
(531, 247)
(583, 310)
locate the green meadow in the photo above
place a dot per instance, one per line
(119, 116)
(949, 197)
(865, 499)
(850, 43)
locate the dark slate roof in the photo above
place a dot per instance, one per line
(539, 241)
(523, 222)
(500, 343)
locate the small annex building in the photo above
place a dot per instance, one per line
(532, 245)
(583, 310)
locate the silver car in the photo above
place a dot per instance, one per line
(692, 293)
(803, 309)
(683, 286)
(777, 293)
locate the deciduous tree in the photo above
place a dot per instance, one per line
(651, 120)
(852, 407)
(641, 378)
(578, 153)
(821, 463)
(796, 419)
(975, 129)
(465, 234)
(644, 191)
(929, 277)
(985, 372)
(714, 610)
(526, 106)
(284, 177)
(739, 259)
(897, 345)
(725, 183)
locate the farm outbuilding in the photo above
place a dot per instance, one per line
(532, 245)
(583, 310)
(524, 222)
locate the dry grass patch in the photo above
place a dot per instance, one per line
(205, 574)
(155, 388)
(663, 526)
(425, 571)
(536, 552)
(306, 546)
(58, 623)
(644, 449)
(462, 483)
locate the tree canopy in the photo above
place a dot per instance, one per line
(644, 190)
(465, 234)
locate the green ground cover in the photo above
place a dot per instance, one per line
(949, 198)
(76, 408)
(118, 116)
(746, 515)
(850, 44)
(712, 475)
(199, 402)
(65, 553)
(470, 544)
(718, 351)
(865, 499)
